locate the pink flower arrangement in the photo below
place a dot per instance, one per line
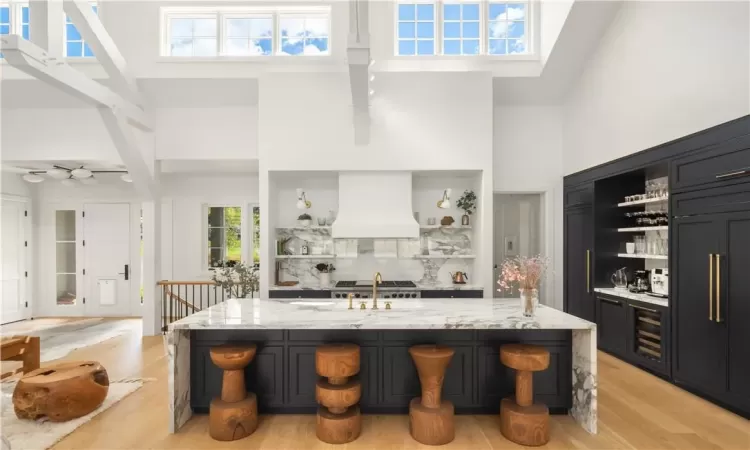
(526, 271)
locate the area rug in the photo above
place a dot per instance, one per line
(39, 435)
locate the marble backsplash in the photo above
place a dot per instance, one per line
(356, 259)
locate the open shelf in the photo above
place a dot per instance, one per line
(641, 256)
(637, 229)
(644, 202)
(443, 256)
(447, 227)
(305, 256)
(301, 228)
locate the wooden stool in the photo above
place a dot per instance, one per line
(339, 420)
(20, 348)
(235, 414)
(430, 418)
(62, 391)
(521, 420)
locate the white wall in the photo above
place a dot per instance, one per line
(12, 184)
(183, 227)
(528, 158)
(553, 14)
(663, 70)
(203, 133)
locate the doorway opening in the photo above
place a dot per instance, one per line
(517, 232)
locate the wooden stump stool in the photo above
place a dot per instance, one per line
(430, 418)
(339, 420)
(235, 414)
(521, 420)
(62, 391)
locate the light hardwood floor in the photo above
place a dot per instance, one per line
(636, 411)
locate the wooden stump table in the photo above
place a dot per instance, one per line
(235, 414)
(61, 392)
(430, 417)
(339, 420)
(521, 420)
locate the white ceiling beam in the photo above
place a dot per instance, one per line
(125, 141)
(90, 26)
(358, 58)
(46, 26)
(33, 60)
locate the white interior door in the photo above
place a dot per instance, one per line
(14, 306)
(106, 232)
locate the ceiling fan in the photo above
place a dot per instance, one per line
(69, 176)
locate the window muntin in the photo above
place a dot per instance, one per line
(25, 22)
(304, 34)
(75, 46)
(193, 35)
(461, 28)
(415, 29)
(224, 235)
(248, 35)
(506, 28)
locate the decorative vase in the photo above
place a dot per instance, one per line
(305, 222)
(325, 279)
(529, 301)
(447, 221)
(465, 220)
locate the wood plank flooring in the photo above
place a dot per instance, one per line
(636, 411)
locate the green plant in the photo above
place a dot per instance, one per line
(239, 280)
(304, 217)
(467, 201)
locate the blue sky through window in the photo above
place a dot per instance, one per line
(75, 47)
(461, 29)
(507, 28)
(304, 34)
(193, 36)
(249, 36)
(416, 29)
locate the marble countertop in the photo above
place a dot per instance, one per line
(434, 313)
(425, 287)
(634, 296)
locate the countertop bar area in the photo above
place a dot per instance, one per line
(287, 331)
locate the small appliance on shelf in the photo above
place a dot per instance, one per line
(640, 282)
(659, 283)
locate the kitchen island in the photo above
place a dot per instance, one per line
(286, 332)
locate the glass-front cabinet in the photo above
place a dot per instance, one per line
(65, 257)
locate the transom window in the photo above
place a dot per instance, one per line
(201, 32)
(14, 19)
(75, 47)
(462, 27)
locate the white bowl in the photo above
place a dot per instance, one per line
(305, 223)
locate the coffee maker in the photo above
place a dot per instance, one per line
(641, 281)
(660, 283)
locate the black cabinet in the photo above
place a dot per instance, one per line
(648, 336)
(612, 325)
(725, 162)
(711, 354)
(578, 269)
(299, 293)
(451, 293)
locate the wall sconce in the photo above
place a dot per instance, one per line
(445, 202)
(302, 201)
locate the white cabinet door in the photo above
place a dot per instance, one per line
(14, 269)
(107, 282)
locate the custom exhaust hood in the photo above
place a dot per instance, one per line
(375, 205)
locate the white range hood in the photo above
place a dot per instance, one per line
(375, 205)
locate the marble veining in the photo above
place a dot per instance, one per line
(178, 366)
(622, 293)
(585, 379)
(434, 313)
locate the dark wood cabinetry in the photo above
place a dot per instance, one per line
(451, 293)
(579, 248)
(725, 162)
(612, 324)
(299, 293)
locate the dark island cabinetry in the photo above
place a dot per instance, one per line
(579, 248)
(283, 372)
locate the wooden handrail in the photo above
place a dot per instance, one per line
(186, 283)
(180, 300)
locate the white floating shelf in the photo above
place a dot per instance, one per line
(641, 256)
(635, 229)
(301, 228)
(447, 227)
(644, 202)
(305, 256)
(444, 256)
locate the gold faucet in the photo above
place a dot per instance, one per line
(350, 297)
(377, 280)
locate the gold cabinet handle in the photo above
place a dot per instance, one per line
(588, 271)
(718, 288)
(710, 286)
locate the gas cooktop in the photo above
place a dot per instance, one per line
(367, 284)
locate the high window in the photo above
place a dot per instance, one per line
(462, 27)
(75, 47)
(207, 32)
(224, 235)
(14, 19)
